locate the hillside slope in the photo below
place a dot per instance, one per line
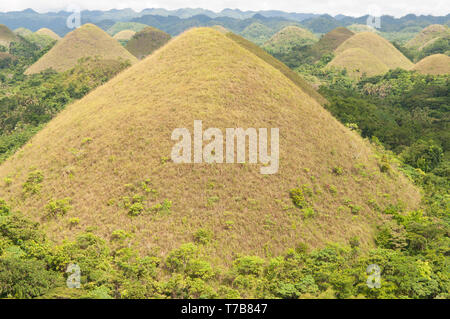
(433, 64)
(124, 35)
(330, 41)
(6, 36)
(86, 41)
(358, 62)
(379, 47)
(109, 156)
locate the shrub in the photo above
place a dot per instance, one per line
(203, 236)
(58, 207)
(338, 171)
(32, 185)
(249, 265)
(179, 258)
(162, 208)
(308, 212)
(197, 268)
(298, 198)
(4, 208)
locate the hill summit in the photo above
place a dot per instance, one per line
(86, 41)
(428, 34)
(377, 46)
(109, 156)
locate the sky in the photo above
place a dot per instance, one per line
(396, 8)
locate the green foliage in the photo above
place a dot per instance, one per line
(201, 236)
(298, 198)
(58, 207)
(33, 183)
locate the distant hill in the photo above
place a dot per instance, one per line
(23, 32)
(430, 33)
(331, 41)
(288, 38)
(124, 35)
(144, 42)
(379, 47)
(359, 62)
(257, 33)
(86, 41)
(124, 26)
(433, 64)
(49, 33)
(108, 155)
(6, 36)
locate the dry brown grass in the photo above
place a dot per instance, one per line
(48, 33)
(379, 47)
(120, 133)
(86, 41)
(358, 62)
(433, 64)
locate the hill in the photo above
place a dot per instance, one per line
(6, 36)
(428, 34)
(288, 38)
(144, 42)
(124, 35)
(357, 28)
(433, 64)
(121, 26)
(106, 160)
(257, 33)
(49, 33)
(86, 41)
(331, 41)
(23, 32)
(379, 47)
(358, 62)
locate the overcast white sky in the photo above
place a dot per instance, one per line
(396, 8)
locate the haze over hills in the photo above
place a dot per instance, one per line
(379, 47)
(110, 151)
(433, 64)
(86, 41)
(146, 41)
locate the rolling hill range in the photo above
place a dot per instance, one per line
(433, 64)
(377, 46)
(86, 41)
(288, 38)
(122, 26)
(428, 34)
(6, 36)
(146, 41)
(358, 62)
(109, 156)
